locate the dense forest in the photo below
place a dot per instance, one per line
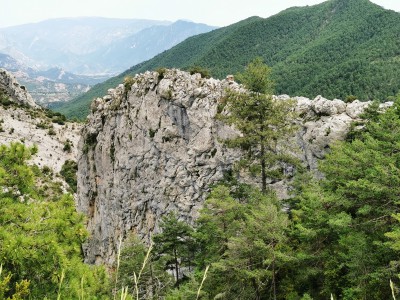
(335, 238)
(338, 49)
(341, 235)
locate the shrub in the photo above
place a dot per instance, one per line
(161, 73)
(68, 172)
(205, 73)
(128, 82)
(67, 146)
(51, 131)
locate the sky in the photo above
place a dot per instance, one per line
(211, 12)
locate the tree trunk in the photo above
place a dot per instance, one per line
(263, 170)
(176, 266)
(256, 288)
(273, 277)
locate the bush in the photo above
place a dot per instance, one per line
(161, 73)
(67, 146)
(205, 73)
(128, 82)
(68, 172)
(52, 131)
(5, 100)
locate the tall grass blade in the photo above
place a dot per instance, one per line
(124, 293)
(201, 284)
(137, 278)
(118, 262)
(59, 286)
(392, 288)
(82, 291)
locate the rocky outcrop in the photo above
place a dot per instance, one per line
(31, 125)
(156, 147)
(16, 92)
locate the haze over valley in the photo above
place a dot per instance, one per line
(147, 157)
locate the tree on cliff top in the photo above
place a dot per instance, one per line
(263, 122)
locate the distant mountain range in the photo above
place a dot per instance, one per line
(93, 45)
(338, 48)
(46, 56)
(49, 86)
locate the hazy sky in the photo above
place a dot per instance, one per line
(212, 12)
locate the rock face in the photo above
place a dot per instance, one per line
(10, 87)
(157, 147)
(28, 123)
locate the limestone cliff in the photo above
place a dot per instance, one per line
(156, 147)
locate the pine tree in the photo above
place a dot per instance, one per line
(174, 243)
(342, 220)
(262, 121)
(243, 237)
(41, 234)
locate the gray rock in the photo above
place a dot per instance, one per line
(159, 149)
(17, 92)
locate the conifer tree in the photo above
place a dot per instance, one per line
(343, 220)
(174, 243)
(263, 122)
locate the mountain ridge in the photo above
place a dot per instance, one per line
(157, 146)
(336, 48)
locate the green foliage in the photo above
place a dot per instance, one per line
(257, 77)
(21, 289)
(90, 142)
(153, 281)
(263, 123)
(241, 233)
(67, 146)
(41, 233)
(68, 171)
(341, 221)
(205, 73)
(5, 100)
(335, 49)
(174, 245)
(51, 131)
(161, 73)
(128, 82)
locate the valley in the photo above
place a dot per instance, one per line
(61, 59)
(254, 161)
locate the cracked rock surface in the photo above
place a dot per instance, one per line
(156, 147)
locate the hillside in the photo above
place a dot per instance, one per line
(337, 48)
(21, 120)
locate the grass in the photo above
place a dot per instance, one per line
(118, 263)
(202, 281)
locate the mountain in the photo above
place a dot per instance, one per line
(337, 48)
(49, 86)
(93, 45)
(46, 56)
(67, 42)
(158, 147)
(21, 120)
(145, 44)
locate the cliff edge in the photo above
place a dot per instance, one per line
(154, 145)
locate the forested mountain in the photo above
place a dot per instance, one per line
(338, 48)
